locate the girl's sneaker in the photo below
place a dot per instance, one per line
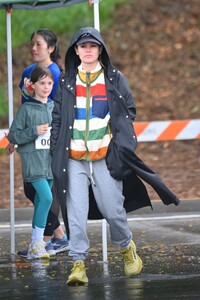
(50, 249)
(60, 245)
(23, 253)
(37, 250)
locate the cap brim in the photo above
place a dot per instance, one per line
(86, 40)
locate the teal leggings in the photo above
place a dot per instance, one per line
(42, 202)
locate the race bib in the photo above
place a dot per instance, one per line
(43, 141)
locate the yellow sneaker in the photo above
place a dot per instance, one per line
(132, 262)
(78, 274)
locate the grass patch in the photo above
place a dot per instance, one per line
(3, 151)
(3, 101)
(60, 20)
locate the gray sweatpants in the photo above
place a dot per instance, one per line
(109, 198)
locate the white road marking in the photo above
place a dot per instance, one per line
(131, 219)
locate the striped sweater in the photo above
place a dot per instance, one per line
(91, 134)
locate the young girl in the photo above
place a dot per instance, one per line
(44, 50)
(29, 130)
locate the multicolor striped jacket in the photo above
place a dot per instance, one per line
(91, 136)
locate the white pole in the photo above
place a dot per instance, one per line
(104, 241)
(10, 102)
(96, 15)
(104, 227)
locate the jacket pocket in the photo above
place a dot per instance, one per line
(100, 106)
(117, 167)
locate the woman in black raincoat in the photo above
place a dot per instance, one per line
(96, 172)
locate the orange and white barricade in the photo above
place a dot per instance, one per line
(154, 131)
(3, 140)
(167, 130)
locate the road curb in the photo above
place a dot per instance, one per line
(185, 206)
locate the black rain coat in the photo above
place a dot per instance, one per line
(121, 160)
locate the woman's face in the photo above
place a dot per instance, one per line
(89, 55)
(40, 51)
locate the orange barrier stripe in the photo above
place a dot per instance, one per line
(172, 130)
(4, 143)
(140, 127)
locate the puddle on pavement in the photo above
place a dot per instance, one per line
(41, 279)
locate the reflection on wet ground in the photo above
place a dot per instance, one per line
(21, 279)
(169, 248)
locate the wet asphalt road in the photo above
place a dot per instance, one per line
(167, 239)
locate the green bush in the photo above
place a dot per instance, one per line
(3, 101)
(60, 20)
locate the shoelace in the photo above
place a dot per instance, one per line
(38, 247)
(77, 268)
(128, 255)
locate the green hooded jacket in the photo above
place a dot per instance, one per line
(36, 163)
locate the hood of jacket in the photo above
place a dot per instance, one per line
(72, 60)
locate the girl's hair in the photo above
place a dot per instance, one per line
(51, 40)
(39, 73)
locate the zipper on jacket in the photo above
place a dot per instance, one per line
(88, 86)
